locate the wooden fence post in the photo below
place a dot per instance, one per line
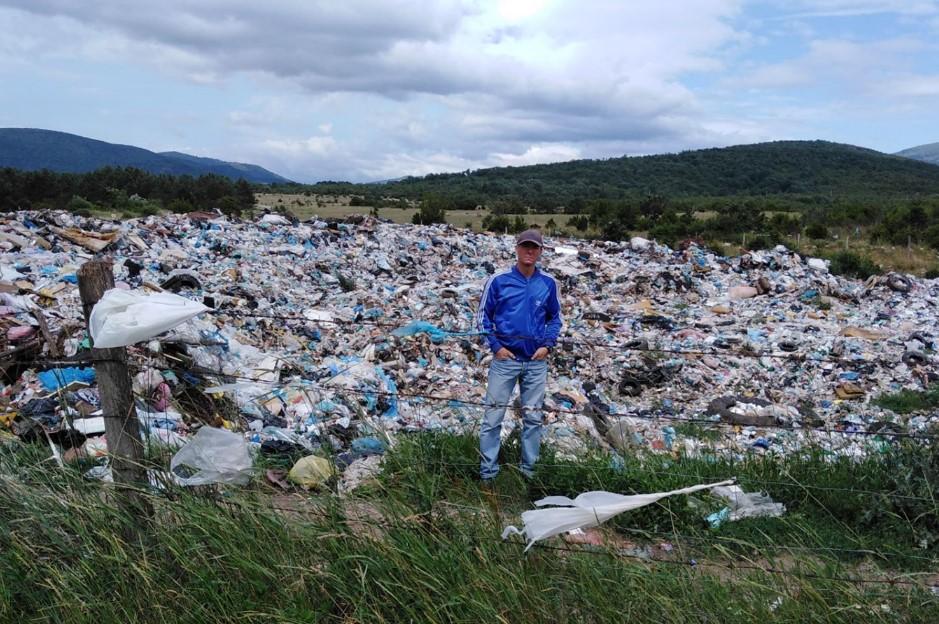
(114, 385)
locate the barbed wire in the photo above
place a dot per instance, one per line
(557, 410)
(463, 334)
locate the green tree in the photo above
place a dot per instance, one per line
(433, 210)
(244, 194)
(229, 205)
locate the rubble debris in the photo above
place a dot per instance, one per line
(92, 241)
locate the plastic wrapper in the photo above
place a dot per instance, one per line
(311, 471)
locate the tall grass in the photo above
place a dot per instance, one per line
(421, 545)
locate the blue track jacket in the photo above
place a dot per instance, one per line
(513, 306)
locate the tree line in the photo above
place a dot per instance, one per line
(123, 190)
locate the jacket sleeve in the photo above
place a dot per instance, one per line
(485, 315)
(553, 316)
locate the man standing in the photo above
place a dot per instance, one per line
(520, 313)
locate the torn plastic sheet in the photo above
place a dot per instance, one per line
(436, 334)
(123, 317)
(587, 510)
(744, 505)
(213, 456)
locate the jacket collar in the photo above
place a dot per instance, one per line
(521, 276)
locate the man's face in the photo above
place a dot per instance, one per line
(527, 253)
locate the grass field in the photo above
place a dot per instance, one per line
(421, 544)
(330, 207)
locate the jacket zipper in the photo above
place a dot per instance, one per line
(528, 310)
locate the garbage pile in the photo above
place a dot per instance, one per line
(346, 334)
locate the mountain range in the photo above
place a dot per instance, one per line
(926, 153)
(762, 168)
(32, 149)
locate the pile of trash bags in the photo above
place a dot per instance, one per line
(343, 335)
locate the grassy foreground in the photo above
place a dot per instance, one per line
(421, 544)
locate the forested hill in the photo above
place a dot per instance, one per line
(33, 149)
(778, 168)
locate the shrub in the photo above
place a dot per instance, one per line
(851, 264)
(179, 206)
(495, 223)
(816, 231)
(581, 222)
(80, 206)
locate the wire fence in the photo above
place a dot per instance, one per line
(462, 334)
(612, 551)
(453, 400)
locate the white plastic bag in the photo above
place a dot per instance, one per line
(124, 317)
(749, 505)
(587, 510)
(217, 456)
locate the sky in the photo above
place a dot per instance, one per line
(367, 90)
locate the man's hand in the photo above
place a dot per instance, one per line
(504, 354)
(540, 354)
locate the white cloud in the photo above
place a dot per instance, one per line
(849, 8)
(840, 64)
(914, 86)
(537, 154)
(314, 145)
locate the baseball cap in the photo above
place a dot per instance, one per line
(530, 236)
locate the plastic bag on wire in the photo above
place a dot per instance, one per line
(125, 317)
(587, 510)
(213, 456)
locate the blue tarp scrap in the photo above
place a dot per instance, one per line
(392, 389)
(56, 378)
(437, 335)
(368, 446)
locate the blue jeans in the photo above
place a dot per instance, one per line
(503, 375)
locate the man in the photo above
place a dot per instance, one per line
(520, 313)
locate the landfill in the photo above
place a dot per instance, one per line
(344, 335)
